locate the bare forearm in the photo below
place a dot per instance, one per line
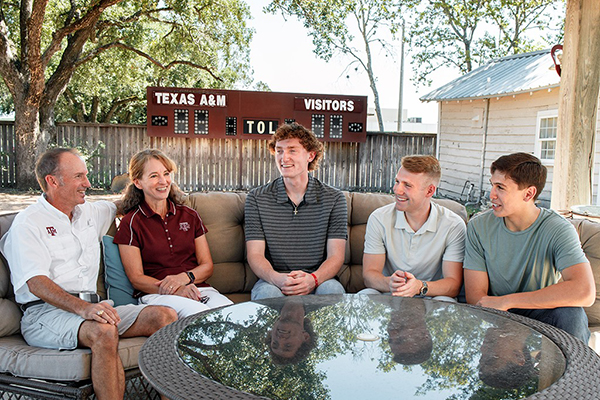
(578, 289)
(263, 269)
(144, 283)
(562, 294)
(202, 272)
(377, 281)
(373, 272)
(336, 251)
(474, 297)
(444, 287)
(51, 293)
(328, 269)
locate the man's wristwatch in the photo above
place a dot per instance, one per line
(424, 288)
(190, 275)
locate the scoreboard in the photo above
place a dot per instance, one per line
(239, 114)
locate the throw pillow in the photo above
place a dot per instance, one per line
(118, 287)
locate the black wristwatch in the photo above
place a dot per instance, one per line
(190, 275)
(424, 289)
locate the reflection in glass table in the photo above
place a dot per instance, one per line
(352, 346)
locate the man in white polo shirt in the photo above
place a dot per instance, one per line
(53, 250)
(413, 246)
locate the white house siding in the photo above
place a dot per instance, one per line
(511, 128)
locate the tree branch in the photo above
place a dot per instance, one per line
(116, 104)
(88, 20)
(102, 25)
(154, 61)
(8, 65)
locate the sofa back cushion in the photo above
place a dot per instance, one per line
(363, 204)
(589, 235)
(223, 216)
(10, 320)
(10, 314)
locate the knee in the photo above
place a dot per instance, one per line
(166, 316)
(265, 291)
(163, 316)
(369, 291)
(330, 286)
(103, 336)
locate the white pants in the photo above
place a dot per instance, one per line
(185, 306)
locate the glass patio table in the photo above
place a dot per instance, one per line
(362, 347)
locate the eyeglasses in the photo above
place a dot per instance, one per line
(204, 299)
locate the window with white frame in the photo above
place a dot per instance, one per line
(545, 137)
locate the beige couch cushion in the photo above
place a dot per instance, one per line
(223, 215)
(589, 235)
(230, 277)
(10, 314)
(20, 359)
(363, 204)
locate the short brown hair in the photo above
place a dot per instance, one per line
(49, 163)
(422, 164)
(307, 138)
(524, 169)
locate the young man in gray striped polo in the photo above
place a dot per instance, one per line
(296, 226)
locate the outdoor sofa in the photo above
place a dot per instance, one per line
(32, 371)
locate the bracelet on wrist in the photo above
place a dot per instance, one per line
(316, 280)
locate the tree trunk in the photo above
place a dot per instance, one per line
(578, 103)
(27, 132)
(373, 84)
(47, 125)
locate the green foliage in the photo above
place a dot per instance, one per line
(465, 34)
(142, 43)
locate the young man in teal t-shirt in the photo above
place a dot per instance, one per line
(516, 252)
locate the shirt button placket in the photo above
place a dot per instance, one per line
(169, 238)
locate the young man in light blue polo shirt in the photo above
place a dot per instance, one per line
(517, 252)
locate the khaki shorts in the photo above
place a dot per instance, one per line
(46, 326)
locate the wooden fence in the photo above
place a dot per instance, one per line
(228, 164)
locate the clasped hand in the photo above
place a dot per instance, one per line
(404, 284)
(173, 284)
(297, 283)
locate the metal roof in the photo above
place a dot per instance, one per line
(506, 76)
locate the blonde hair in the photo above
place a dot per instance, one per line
(421, 164)
(133, 196)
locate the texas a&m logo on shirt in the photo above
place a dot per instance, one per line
(184, 226)
(51, 230)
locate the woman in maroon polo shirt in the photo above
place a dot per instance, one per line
(162, 242)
